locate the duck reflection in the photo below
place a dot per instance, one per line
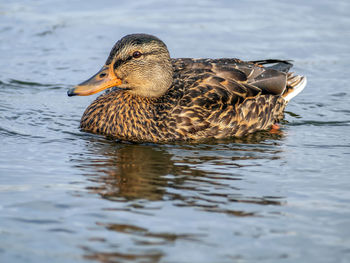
(131, 171)
(201, 176)
(145, 171)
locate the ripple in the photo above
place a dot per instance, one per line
(152, 256)
(138, 231)
(15, 84)
(12, 132)
(36, 221)
(320, 123)
(62, 230)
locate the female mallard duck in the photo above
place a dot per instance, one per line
(153, 98)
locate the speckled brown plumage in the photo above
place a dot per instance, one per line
(208, 98)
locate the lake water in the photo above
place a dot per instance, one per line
(69, 196)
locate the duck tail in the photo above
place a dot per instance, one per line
(295, 84)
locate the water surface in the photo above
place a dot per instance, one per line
(69, 196)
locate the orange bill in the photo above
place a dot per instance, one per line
(102, 80)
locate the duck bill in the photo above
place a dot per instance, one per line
(102, 80)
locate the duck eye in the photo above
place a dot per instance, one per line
(136, 54)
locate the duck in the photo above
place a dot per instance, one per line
(151, 97)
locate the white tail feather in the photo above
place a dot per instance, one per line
(298, 84)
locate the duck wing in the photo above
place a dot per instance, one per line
(226, 97)
(270, 76)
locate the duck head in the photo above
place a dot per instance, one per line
(138, 63)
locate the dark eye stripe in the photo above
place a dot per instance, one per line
(122, 61)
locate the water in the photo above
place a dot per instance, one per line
(68, 196)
